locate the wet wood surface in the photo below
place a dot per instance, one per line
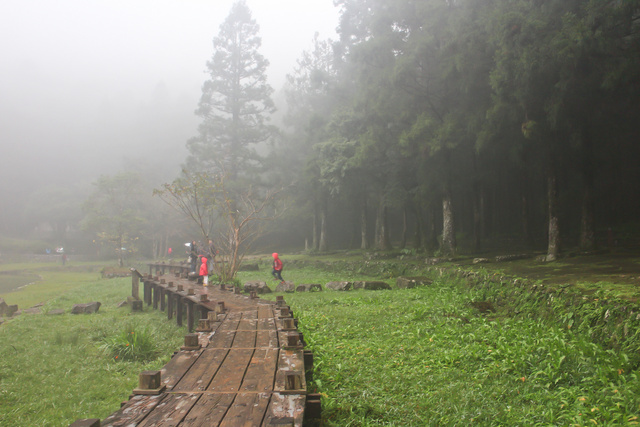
(244, 370)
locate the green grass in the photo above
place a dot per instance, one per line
(427, 357)
(55, 369)
(546, 355)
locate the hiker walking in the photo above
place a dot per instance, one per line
(277, 267)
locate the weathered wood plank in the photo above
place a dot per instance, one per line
(209, 411)
(231, 373)
(171, 411)
(222, 338)
(202, 371)
(260, 373)
(289, 361)
(133, 411)
(285, 410)
(177, 367)
(247, 410)
(244, 339)
(267, 339)
(232, 321)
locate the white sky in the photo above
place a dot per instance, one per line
(79, 79)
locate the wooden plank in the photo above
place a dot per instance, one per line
(244, 339)
(209, 411)
(261, 371)
(171, 411)
(133, 411)
(267, 339)
(177, 367)
(266, 324)
(289, 361)
(222, 338)
(247, 324)
(202, 371)
(283, 408)
(232, 321)
(265, 311)
(248, 410)
(231, 373)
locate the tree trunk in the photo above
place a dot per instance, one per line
(587, 221)
(364, 239)
(314, 231)
(554, 228)
(432, 239)
(383, 230)
(417, 236)
(449, 245)
(587, 229)
(403, 237)
(322, 245)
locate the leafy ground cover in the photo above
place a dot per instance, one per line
(458, 353)
(466, 350)
(55, 369)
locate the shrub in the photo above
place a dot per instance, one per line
(131, 345)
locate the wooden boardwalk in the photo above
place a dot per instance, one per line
(245, 364)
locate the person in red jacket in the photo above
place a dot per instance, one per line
(204, 272)
(277, 267)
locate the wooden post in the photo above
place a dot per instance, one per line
(190, 318)
(162, 303)
(149, 382)
(156, 295)
(253, 295)
(135, 284)
(179, 306)
(292, 339)
(146, 291)
(313, 407)
(288, 323)
(136, 305)
(191, 342)
(293, 381)
(170, 297)
(180, 288)
(220, 307)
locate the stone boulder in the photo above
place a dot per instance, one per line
(481, 260)
(257, 286)
(286, 286)
(371, 285)
(87, 308)
(412, 282)
(309, 288)
(7, 310)
(339, 286)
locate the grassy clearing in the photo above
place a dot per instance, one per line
(428, 357)
(56, 369)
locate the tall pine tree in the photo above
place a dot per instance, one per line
(236, 99)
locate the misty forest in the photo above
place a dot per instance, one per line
(399, 160)
(447, 127)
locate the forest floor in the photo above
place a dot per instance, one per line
(617, 271)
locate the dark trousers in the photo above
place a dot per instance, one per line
(277, 274)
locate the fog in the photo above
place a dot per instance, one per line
(88, 84)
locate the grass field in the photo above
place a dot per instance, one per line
(55, 369)
(457, 352)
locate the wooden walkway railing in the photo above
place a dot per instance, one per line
(245, 365)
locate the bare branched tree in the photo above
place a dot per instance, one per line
(245, 217)
(240, 214)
